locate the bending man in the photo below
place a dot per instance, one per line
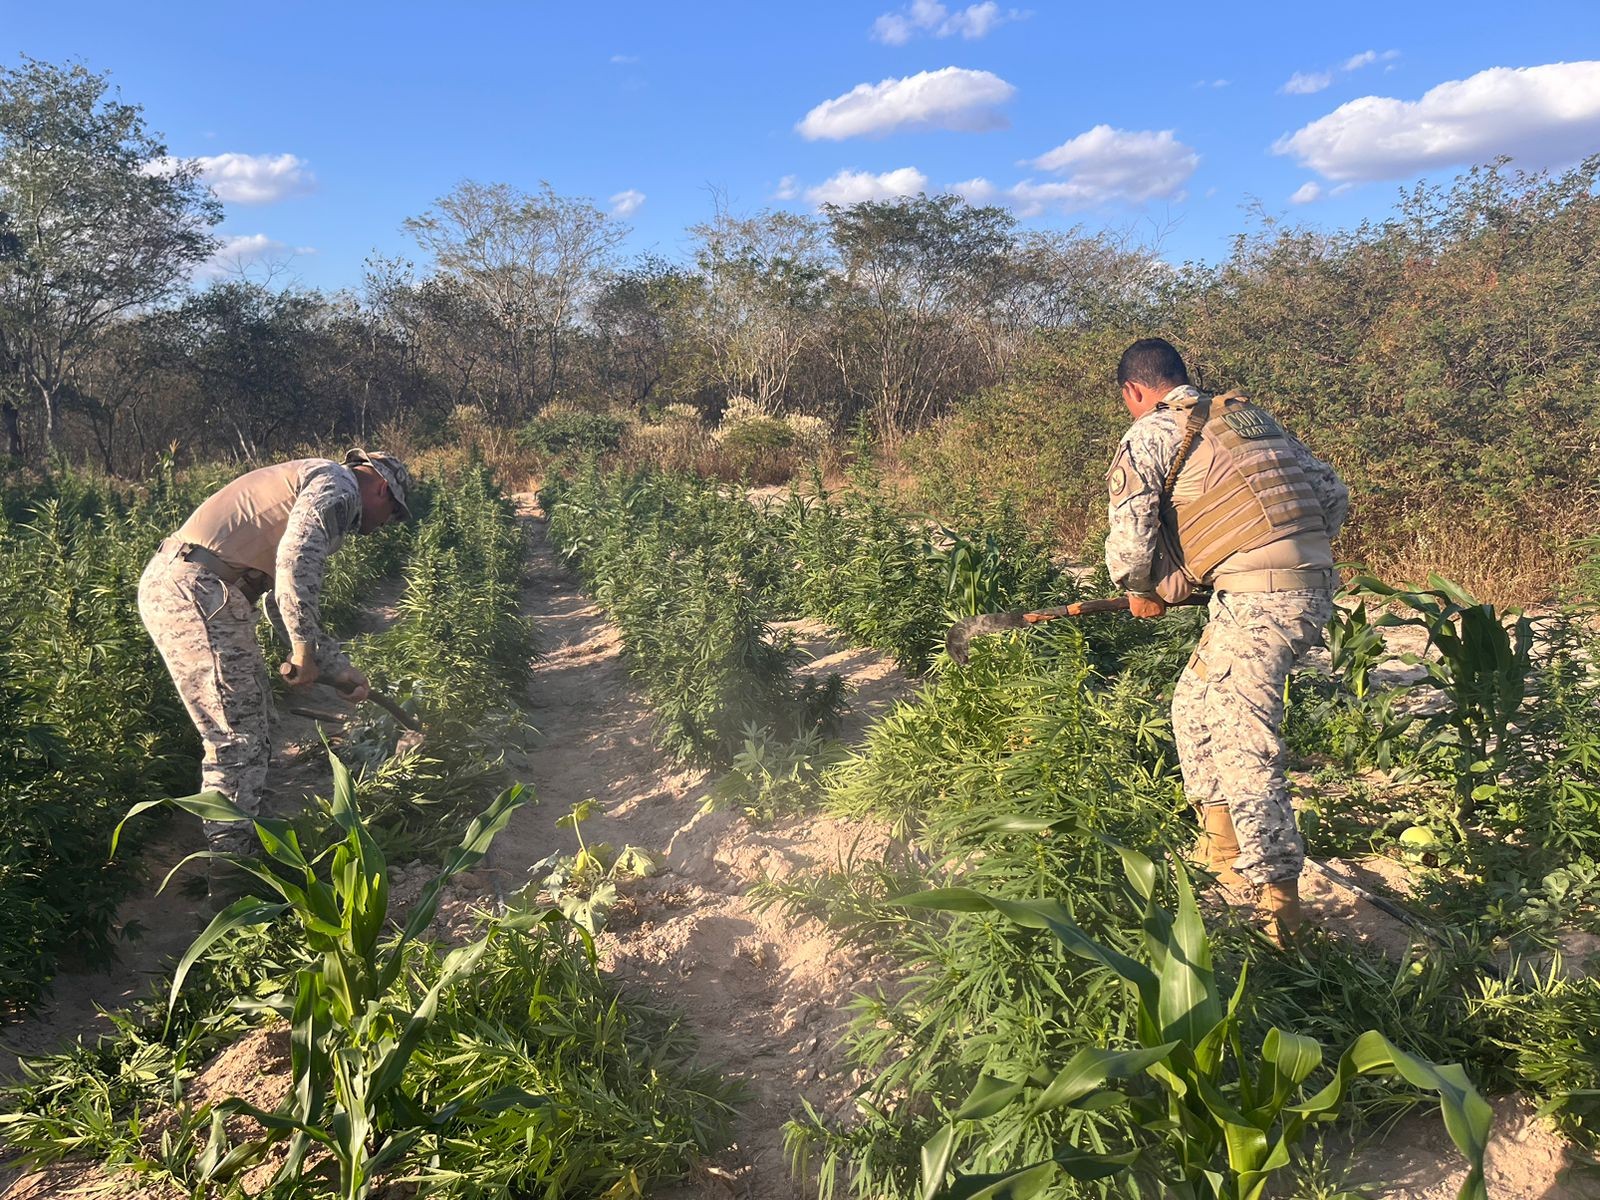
(267, 534)
(1209, 491)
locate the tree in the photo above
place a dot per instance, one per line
(10, 418)
(119, 375)
(527, 261)
(640, 318)
(766, 282)
(106, 223)
(921, 277)
(252, 353)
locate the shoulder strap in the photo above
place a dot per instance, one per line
(1199, 414)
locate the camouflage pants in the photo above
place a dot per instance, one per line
(1227, 718)
(205, 630)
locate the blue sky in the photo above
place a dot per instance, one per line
(1160, 119)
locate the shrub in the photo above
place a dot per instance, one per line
(755, 450)
(573, 432)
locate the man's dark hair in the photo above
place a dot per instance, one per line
(1154, 363)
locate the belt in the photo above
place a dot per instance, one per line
(253, 583)
(1276, 581)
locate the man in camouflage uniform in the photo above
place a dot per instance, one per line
(267, 534)
(1210, 492)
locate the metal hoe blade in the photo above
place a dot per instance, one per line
(963, 631)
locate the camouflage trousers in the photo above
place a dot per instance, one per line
(205, 630)
(1227, 718)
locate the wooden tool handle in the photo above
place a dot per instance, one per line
(1083, 608)
(1087, 608)
(395, 711)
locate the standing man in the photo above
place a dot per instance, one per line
(267, 534)
(1209, 491)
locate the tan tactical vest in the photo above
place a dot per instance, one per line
(243, 523)
(1239, 486)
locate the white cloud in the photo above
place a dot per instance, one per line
(624, 60)
(978, 20)
(625, 204)
(254, 178)
(950, 98)
(1539, 116)
(893, 29)
(1212, 83)
(1367, 57)
(1106, 164)
(977, 191)
(1030, 199)
(852, 187)
(242, 251)
(788, 188)
(1304, 83)
(933, 18)
(1101, 166)
(1306, 193)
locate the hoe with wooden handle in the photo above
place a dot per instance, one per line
(963, 631)
(387, 703)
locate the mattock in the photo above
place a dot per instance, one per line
(964, 630)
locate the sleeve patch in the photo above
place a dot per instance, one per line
(1117, 481)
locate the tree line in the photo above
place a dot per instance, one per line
(1452, 347)
(889, 311)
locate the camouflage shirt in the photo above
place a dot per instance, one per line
(1135, 482)
(327, 508)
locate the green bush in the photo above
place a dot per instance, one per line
(88, 722)
(895, 582)
(572, 432)
(460, 654)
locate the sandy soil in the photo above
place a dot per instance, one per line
(766, 996)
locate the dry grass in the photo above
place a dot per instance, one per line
(1517, 562)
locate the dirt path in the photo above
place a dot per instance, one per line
(765, 995)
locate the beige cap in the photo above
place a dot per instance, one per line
(394, 473)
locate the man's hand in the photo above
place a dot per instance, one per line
(301, 670)
(352, 685)
(1146, 607)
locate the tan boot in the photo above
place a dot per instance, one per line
(1217, 850)
(1279, 907)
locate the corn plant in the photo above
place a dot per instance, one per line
(353, 1027)
(1208, 1119)
(1483, 666)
